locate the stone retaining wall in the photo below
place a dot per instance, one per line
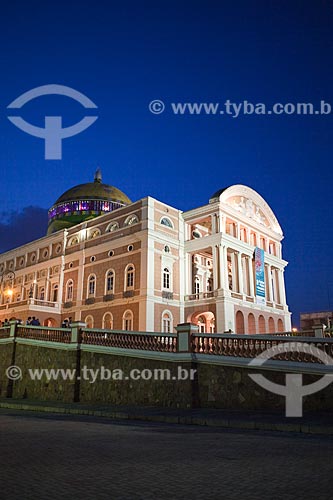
(218, 383)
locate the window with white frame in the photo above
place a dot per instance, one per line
(128, 320)
(167, 322)
(69, 290)
(129, 277)
(166, 279)
(91, 289)
(109, 281)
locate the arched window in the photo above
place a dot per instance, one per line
(128, 320)
(165, 221)
(73, 241)
(166, 278)
(107, 322)
(89, 321)
(69, 290)
(42, 293)
(91, 288)
(109, 281)
(129, 277)
(113, 226)
(167, 322)
(131, 219)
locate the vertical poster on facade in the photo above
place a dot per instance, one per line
(260, 275)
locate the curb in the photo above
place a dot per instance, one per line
(227, 423)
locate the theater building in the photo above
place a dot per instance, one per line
(147, 266)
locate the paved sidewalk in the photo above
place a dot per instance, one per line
(48, 456)
(310, 423)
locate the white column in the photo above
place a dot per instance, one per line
(266, 282)
(274, 287)
(225, 267)
(182, 272)
(282, 288)
(35, 286)
(61, 280)
(245, 276)
(215, 267)
(270, 288)
(222, 266)
(214, 223)
(250, 271)
(222, 222)
(234, 271)
(188, 274)
(80, 285)
(240, 273)
(47, 287)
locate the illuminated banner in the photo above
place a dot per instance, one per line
(260, 276)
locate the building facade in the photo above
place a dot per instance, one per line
(312, 319)
(147, 266)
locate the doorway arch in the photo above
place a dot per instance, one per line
(205, 321)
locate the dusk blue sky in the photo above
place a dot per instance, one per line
(124, 54)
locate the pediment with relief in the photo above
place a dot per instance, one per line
(249, 203)
(248, 208)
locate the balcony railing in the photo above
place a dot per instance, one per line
(4, 332)
(200, 296)
(30, 302)
(44, 333)
(43, 303)
(131, 340)
(185, 341)
(246, 346)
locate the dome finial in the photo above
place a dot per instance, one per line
(98, 175)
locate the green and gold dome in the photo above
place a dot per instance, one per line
(84, 202)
